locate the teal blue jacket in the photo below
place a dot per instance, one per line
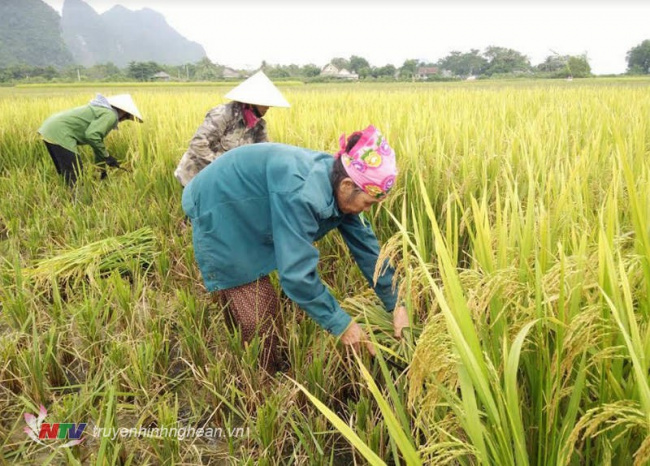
(259, 208)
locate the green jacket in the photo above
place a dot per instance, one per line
(260, 207)
(87, 125)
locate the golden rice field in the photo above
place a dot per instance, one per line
(520, 227)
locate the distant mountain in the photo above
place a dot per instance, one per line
(87, 37)
(121, 36)
(30, 34)
(146, 36)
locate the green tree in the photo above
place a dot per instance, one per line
(408, 69)
(578, 66)
(463, 64)
(205, 70)
(340, 63)
(103, 72)
(277, 72)
(364, 72)
(503, 60)
(358, 63)
(30, 73)
(310, 70)
(553, 63)
(638, 58)
(184, 72)
(294, 70)
(562, 66)
(142, 71)
(384, 71)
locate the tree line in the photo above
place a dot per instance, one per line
(493, 62)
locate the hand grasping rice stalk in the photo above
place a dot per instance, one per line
(398, 352)
(115, 253)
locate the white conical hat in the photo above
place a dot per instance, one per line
(258, 90)
(125, 102)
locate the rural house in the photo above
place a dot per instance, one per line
(332, 71)
(230, 73)
(161, 76)
(424, 72)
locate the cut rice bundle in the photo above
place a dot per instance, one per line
(117, 253)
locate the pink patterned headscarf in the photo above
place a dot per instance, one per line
(249, 116)
(370, 163)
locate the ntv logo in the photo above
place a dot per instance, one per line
(38, 430)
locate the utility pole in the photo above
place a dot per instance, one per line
(78, 75)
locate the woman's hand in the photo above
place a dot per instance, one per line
(354, 336)
(400, 320)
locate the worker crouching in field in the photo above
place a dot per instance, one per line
(87, 125)
(231, 125)
(260, 207)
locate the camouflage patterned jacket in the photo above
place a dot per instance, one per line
(223, 129)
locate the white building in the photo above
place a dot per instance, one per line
(332, 71)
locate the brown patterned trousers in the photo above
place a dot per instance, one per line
(254, 308)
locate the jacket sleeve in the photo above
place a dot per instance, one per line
(212, 129)
(97, 130)
(294, 225)
(363, 245)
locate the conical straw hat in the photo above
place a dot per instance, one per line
(125, 102)
(258, 90)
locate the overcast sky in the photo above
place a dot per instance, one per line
(242, 33)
